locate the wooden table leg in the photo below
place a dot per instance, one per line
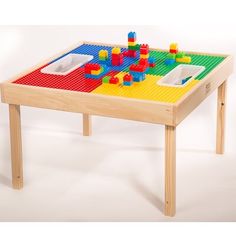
(16, 149)
(220, 132)
(87, 129)
(170, 170)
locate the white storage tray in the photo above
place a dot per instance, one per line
(67, 64)
(179, 73)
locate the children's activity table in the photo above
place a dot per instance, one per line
(145, 101)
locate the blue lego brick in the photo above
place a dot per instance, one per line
(105, 70)
(136, 73)
(127, 83)
(169, 62)
(151, 60)
(138, 79)
(132, 35)
(94, 50)
(137, 76)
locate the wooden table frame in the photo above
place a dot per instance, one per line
(89, 104)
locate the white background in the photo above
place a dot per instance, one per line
(206, 182)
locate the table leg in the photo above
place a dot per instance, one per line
(87, 129)
(16, 149)
(170, 170)
(220, 132)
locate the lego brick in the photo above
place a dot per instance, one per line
(130, 53)
(144, 56)
(143, 62)
(169, 62)
(137, 68)
(138, 78)
(116, 50)
(128, 78)
(132, 35)
(116, 56)
(134, 48)
(91, 66)
(103, 54)
(97, 72)
(171, 56)
(106, 79)
(131, 40)
(174, 46)
(144, 49)
(180, 55)
(127, 83)
(104, 70)
(103, 59)
(114, 80)
(173, 51)
(184, 60)
(116, 63)
(151, 60)
(132, 44)
(117, 59)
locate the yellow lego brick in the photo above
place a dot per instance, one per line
(132, 43)
(116, 51)
(96, 72)
(103, 53)
(184, 60)
(173, 46)
(146, 90)
(142, 56)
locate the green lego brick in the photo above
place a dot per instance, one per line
(103, 58)
(138, 46)
(171, 56)
(106, 79)
(180, 55)
(134, 48)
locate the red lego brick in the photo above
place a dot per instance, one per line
(88, 67)
(130, 53)
(144, 49)
(175, 51)
(117, 59)
(143, 62)
(116, 56)
(131, 40)
(128, 78)
(113, 80)
(137, 68)
(117, 63)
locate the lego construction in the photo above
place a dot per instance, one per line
(135, 71)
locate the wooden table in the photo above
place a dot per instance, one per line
(168, 114)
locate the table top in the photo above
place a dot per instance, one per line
(145, 90)
(144, 101)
